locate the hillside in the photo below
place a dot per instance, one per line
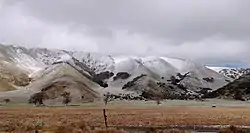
(232, 73)
(11, 77)
(153, 75)
(115, 74)
(55, 80)
(5, 86)
(239, 89)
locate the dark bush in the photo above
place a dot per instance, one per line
(121, 75)
(6, 100)
(66, 98)
(37, 98)
(99, 78)
(233, 129)
(132, 83)
(238, 95)
(209, 79)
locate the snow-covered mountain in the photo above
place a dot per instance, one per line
(121, 73)
(233, 73)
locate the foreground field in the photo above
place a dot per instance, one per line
(25, 117)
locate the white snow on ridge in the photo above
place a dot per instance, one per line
(64, 57)
(24, 61)
(97, 62)
(167, 66)
(161, 63)
(218, 69)
(130, 65)
(153, 66)
(118, 59)
(159, 66)
(182, 65)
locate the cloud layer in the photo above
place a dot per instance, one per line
(212, 32)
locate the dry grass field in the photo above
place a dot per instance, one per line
(50, 119)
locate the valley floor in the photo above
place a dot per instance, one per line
(137, 113)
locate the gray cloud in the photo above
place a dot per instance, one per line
(208, 31)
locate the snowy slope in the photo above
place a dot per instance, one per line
(30, 60)
(97, 62)
(154, 67)
(20, 57)
(47, 56)
(54, 80)
(197, 73)
(217, 69)
(134, 67)
(159, 66)
(233, 73)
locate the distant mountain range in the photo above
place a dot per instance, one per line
(233, 73)
(90, 75)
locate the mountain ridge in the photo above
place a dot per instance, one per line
(155, 74)
(233, 73)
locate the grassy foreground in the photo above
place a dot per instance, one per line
(59, 119)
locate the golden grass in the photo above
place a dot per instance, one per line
(5, 86)
(70, 119)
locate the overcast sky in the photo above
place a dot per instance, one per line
(210, 31)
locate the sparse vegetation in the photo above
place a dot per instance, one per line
(70, 120)
(121, 75)
(158, 102)
(132, 83)
(239, 89)
(66, 98)
(209, 79)
(109, 97)
(6, 100)
(175, 81)
(99, 78)
(233, 129)
(106, 98)
(37, 98)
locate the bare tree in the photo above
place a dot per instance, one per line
(37, 98)
(107, 98)
(66, 98)
(158, 102)
(6, 100)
